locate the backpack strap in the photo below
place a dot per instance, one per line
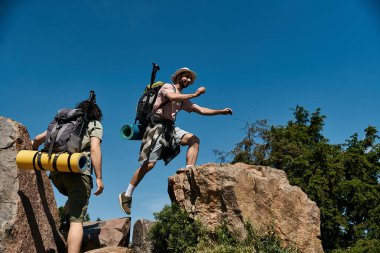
(68, 163)
(34, 160)
(53, 138)
(163, 104)
(55, 162)
(39, 161)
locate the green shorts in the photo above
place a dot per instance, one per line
(77, 187)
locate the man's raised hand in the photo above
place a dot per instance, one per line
(200, 91)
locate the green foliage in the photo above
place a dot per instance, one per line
(61, 213)
(361, 246)
(223, 240)
(174, 231)
(87, 217)
(343, 179)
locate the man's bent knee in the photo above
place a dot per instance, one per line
(189, 140)
(194, 140)
(149, 165)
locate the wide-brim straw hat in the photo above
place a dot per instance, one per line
(182, 70)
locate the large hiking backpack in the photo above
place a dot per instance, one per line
(63, 133)
(144, 108)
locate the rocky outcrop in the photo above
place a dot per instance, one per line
(28, 215)
(239, 193)
(110, 250)
(141, 242)
(108, 233)
(211, 193)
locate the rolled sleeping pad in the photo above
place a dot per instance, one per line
(131, 132)
(64, 162)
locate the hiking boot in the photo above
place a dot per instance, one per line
(125, 203)
(181, 170)
(186, 169)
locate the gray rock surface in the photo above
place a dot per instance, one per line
(110, 250)
(108, 233)
(140, 241)
(29, 218)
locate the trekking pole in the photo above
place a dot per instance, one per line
(145, 103)
(153, 75)
(152, 78)
(91, 101)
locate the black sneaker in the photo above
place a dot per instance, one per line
(125, 203)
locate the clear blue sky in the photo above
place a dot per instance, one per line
(261, 58)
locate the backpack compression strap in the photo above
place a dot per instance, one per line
(39, 154)
(55, 162)
(34, 160)
(68, 163)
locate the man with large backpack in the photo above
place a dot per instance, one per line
(76, 186)
(161, 139)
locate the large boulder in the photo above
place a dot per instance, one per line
(108, 233)
(29, 218)
(240, 193)
(141, 242)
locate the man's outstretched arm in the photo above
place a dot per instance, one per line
(210, 112)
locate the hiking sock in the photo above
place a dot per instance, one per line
(130, 190)
(190, 166)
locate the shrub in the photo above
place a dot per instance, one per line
(364, 245)
(175, 232)
(223, 240)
